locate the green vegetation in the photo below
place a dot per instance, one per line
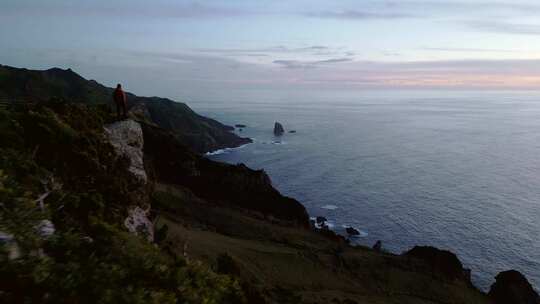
(222, 233)
(283, 264)
(60, 148)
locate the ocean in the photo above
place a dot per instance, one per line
(452, 169)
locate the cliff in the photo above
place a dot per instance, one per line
(96, 210)
(200, 133)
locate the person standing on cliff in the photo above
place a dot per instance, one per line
(119, 97)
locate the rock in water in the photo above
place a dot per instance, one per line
(127, 139)
(278, 129)
(240, 126)
(352, 231)
(321, 220)
(512, 287)
(378, 246)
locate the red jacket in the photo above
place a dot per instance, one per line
(119, 96)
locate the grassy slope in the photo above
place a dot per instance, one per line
(90, 257)
(291, 265)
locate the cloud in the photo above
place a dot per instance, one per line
(298, 64)
(506, 27)
(333, 60)
(492, 74)
(428, 9)
(468, 50)
(357, 15)
(271, 49)
(187, 74)
(446, 6)
(194, 10)
(313, 52)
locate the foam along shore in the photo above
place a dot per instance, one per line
(225, 150)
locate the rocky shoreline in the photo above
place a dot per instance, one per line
(134, 212)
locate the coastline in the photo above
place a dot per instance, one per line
(227, 150)
(178, 209)
(482, 277)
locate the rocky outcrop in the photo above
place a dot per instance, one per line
(10, 245)
(199, 133)
(233, 185)
(440, 262)
(45, 228)
(377, 246)
(512, 287)
(127, 139)
(352, 231)
(278, 129)
(138, 223)
(320, 220)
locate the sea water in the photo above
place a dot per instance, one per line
(455, 170)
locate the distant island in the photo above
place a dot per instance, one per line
(96, 209)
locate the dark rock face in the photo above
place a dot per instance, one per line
(378, 246)
(232, 185)
(441, 262)
(278, 129)
(200, 133)
(512, 287)
(320, 219)
(352, 231)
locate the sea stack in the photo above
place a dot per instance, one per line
(278, 129)
(352, 231)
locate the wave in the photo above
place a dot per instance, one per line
(225, 150)
(341, 230)
(361, 235)
(328, 223)
(330, 207)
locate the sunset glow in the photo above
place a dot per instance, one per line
(183, 46)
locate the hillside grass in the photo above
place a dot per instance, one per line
(296, 265)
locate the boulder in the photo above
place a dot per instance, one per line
(45, 228)
(138, 223)
(512, 287)
(320, 220)
(441, 262)
(378, 246)
(8, 242)
(352, 231)
(127, 139)
(278, 129)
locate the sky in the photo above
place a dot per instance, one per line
(201, 49)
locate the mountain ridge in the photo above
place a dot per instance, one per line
(200, 133)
